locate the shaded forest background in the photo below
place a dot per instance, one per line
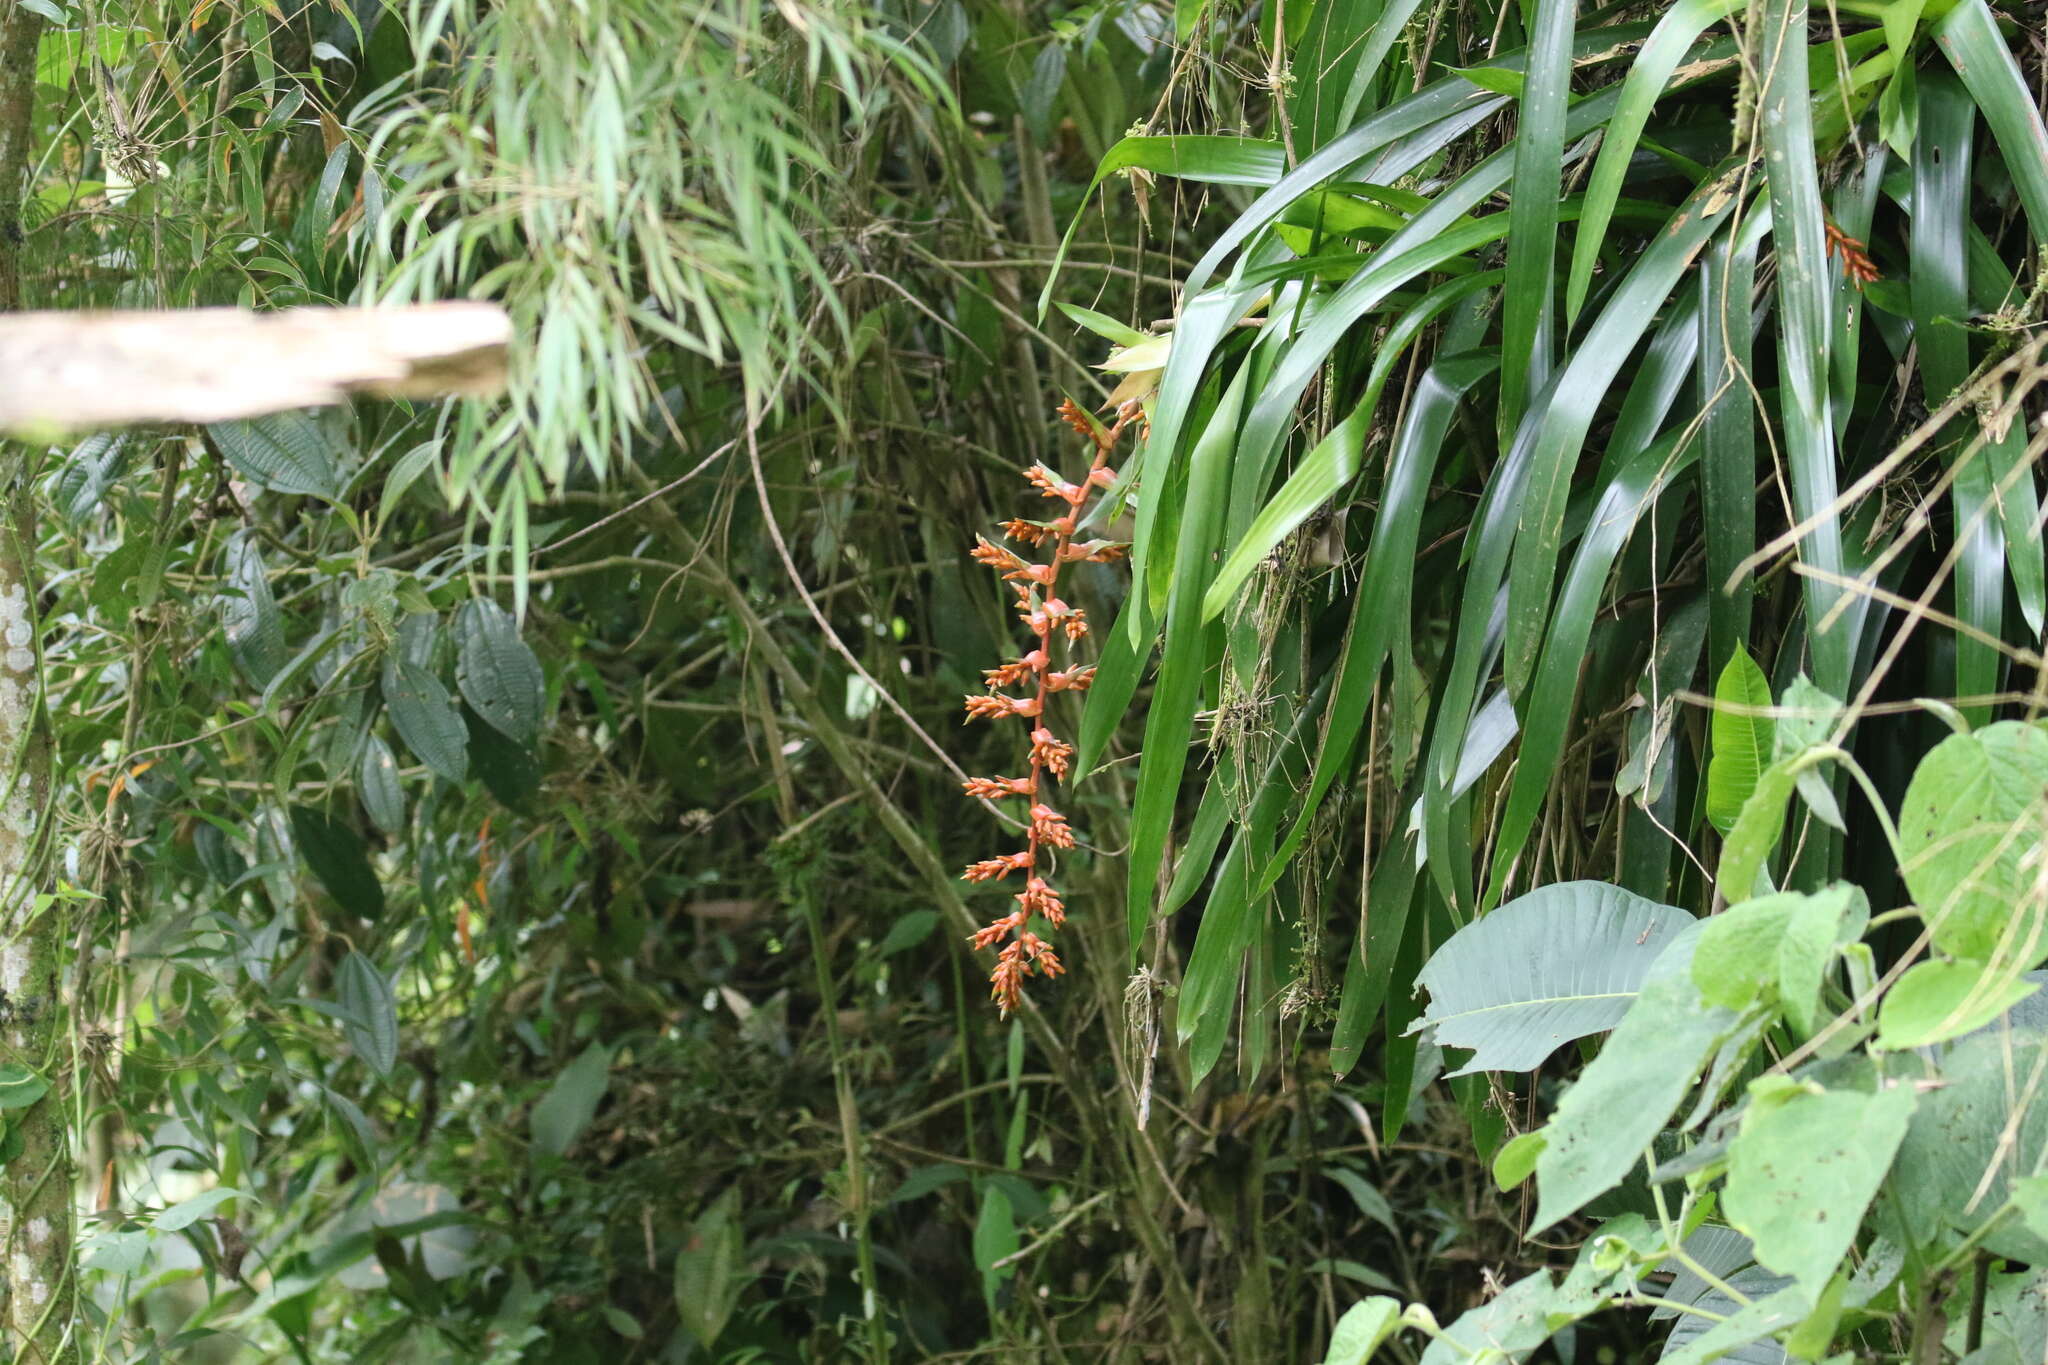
(512, 848)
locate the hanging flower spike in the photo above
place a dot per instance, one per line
(1047, 617)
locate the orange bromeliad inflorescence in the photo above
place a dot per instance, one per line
(1048, 618)
(1856, 262)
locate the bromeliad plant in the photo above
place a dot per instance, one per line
(1049, 618)
(1539, 372)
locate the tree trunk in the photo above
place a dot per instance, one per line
(36, 1181)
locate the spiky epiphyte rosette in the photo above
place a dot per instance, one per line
(1056, 627)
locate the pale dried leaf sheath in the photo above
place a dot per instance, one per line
(85, 371)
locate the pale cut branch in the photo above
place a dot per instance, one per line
(87, 371)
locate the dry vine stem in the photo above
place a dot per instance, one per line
(1040, 607)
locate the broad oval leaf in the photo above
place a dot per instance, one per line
(285, 452)
(571, 1102)
(1802, 1172)
(87, 472)
(248, 612)
(1968, 1145)
(336, 855)
(496, 671)
(372, 1025)
(508, 769)
(1560, 963)
(1744, 741)
(20, 1087)
(1360, 1331)
(1942, 999)
(377, 784)
(190, 1211)
(1973, 815)
(425, 717)
(708, 1270)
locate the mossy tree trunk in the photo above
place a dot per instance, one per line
(36, 1181)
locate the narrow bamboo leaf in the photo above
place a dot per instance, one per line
(1390, 922)
(1235, 910)
(1386, 31)
(1314, 481)
(1184, 402)
(1108, 328)
(1184, 658)
(1330, 467)
(1655, 383)
(1499, 80)
(1528, 301)
(1855, 203)
(1784, 114)
(1550, 437)
(1940, 301)
(1439, 233)
(1205, 836)
(1323, 64)
(1675, 35)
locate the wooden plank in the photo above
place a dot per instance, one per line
(86, 371)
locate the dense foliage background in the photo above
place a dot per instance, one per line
(506, 855)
